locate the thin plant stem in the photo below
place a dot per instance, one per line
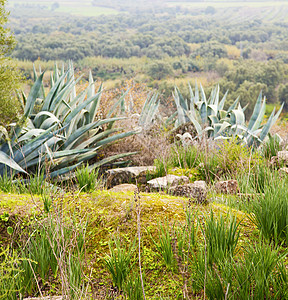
(138, 212)
(226, 294)
(205, 259)
(35, 278)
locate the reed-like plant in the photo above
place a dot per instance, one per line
(165, 244)
(255, 273)
(221, 236)
(271, 146)
(11, 275)
(54, 249)
(6, 183)
(186, 234)
(119, 262)
(88, 180)
(133, 288)
(270, 210)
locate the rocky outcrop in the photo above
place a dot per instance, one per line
(128, 175)
(227, 187)
(283, 171)
(196, 190)
(281, 159)
(164, 183)
(283, 156)
(45, 298)
(126, 187)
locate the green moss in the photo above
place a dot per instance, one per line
(193, 174)
(20, 204)
(112, 214)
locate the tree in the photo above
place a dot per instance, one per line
(159, 70)
(283, 95)
(9, 76)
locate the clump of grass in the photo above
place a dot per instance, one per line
(161, 168)
(164, 244)
(34, 184)
(187, 233)
(221, 236)
(133, 288)
(185, 157)
(6, 183)
(54, 249)
(255, 274)
(270, 210)
(256, 179)
(271, 146)
(118, 263)
(88, 180)
(11, 275)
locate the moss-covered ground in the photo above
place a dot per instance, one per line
(113, 215)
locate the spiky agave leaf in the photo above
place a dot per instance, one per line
(212, 115)
(64, 131)
(6, 161)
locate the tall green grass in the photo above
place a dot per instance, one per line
(165, 243)
(269, 211)
(119, 262)
(221, 236)
(88, 180)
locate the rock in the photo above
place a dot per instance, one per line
(127, 175)
(124, 188)
(196, 190)
(45, 298)
(283, 170)
(165, 182)
(282, 156)
(280, 159)
(227, 187)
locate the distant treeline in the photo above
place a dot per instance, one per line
(245, 57)
(123, 36)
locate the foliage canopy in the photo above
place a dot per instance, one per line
(9, 77)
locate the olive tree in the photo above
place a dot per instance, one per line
(10, 77)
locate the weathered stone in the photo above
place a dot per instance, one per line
(45, 298)
(280, 159)
(125, 187)
(127, 175)
(283, 170)
(163, 183)
(283, 156)
(196, 190)
(227, 187)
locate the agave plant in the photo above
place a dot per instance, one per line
(61, 127)
(149, 111)
(209, 117)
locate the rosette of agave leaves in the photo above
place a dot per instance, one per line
(61, 128)
(211, 120)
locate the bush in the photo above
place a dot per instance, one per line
(10, 77)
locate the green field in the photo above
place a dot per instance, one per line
(234, 12)
(225, 4)
(83, 8)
